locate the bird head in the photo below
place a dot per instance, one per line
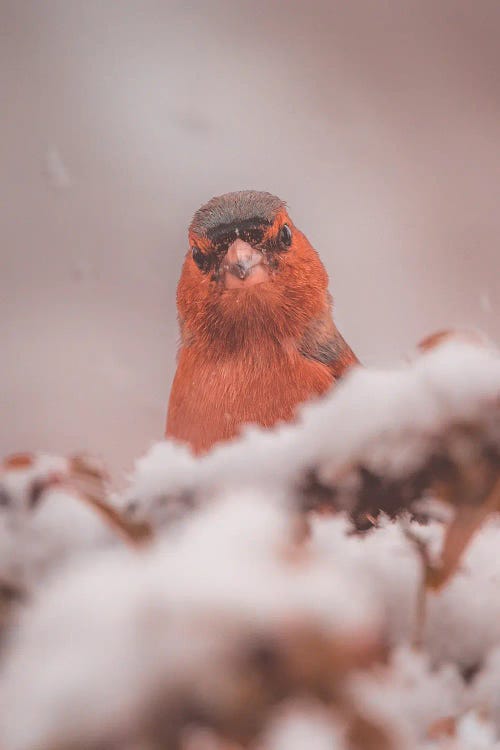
(249, 269)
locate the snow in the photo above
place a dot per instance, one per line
(390, 435)
(245, 620)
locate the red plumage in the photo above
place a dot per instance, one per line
(257, 334)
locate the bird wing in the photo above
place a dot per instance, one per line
(323, 343)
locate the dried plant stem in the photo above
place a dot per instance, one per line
(458, 535)
(133, 533)
(467, 521)
(421, 597)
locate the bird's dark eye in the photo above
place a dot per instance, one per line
(286, 235)
(201, 259)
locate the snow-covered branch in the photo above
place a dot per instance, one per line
(269, 593)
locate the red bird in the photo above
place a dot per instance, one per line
(255, 314)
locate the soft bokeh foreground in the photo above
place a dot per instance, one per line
(314, 587)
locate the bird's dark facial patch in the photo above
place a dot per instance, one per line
(249, 230)
(246, 215)
(255, 231)
(221, 238)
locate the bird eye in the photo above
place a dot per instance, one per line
(201, 259)
(286, 235)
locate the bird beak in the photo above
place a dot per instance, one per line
(243, 266)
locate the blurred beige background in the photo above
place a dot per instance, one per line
(378, 122)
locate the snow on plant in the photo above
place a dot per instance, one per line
(330, 583)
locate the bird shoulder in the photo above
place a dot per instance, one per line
(323, 343)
